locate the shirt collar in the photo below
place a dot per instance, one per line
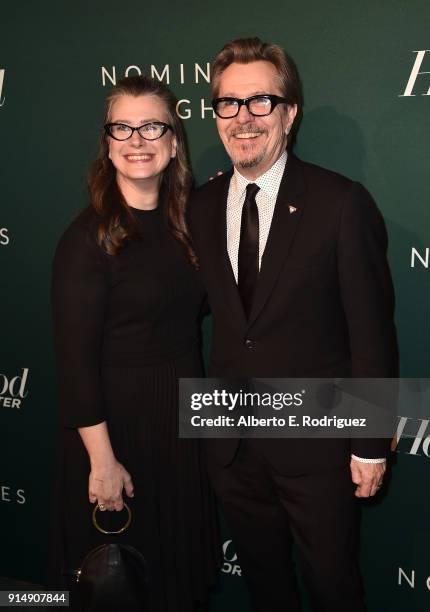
(268, 182)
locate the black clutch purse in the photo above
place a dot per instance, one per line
(112, 576)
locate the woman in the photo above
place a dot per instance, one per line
(126, 303)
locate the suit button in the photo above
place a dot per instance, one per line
(250, 344)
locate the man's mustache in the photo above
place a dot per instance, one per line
(247, 130)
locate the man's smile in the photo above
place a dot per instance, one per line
(247, 135)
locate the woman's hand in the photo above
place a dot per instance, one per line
(106, 483)
(107, 477)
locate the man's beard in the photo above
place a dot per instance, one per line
(254, 159)
(249, 163)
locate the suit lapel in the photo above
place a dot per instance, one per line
(286, 217)
(221, 261)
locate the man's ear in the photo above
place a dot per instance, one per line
(291, 115)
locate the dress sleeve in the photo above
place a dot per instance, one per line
(79, 299)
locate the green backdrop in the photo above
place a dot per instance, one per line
(366, 73)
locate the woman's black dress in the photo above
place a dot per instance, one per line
(126, 328)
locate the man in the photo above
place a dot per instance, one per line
(293, 258)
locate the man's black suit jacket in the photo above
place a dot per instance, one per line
(323, 305)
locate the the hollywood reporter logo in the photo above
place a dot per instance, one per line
(13, 390)
(416, 435)
(4, 236)
(417, 83)
(230, 565)
(1, 86)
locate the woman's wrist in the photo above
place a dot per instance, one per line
(102, 462)
(97, 443)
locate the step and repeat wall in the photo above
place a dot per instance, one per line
(366, 74)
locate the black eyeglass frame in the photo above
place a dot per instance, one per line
(165, 127)
(274, 101)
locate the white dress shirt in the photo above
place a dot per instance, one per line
(269, 183)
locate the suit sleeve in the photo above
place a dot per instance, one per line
(368, 299)
(79, 299)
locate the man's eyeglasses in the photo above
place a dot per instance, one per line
(148, 131)
(259, 106)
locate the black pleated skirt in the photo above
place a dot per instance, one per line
(174, 517)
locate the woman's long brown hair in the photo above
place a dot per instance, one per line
(117, 224)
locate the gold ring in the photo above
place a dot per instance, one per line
(123, 528)
(102, 506)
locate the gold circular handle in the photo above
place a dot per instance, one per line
(123, 528)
